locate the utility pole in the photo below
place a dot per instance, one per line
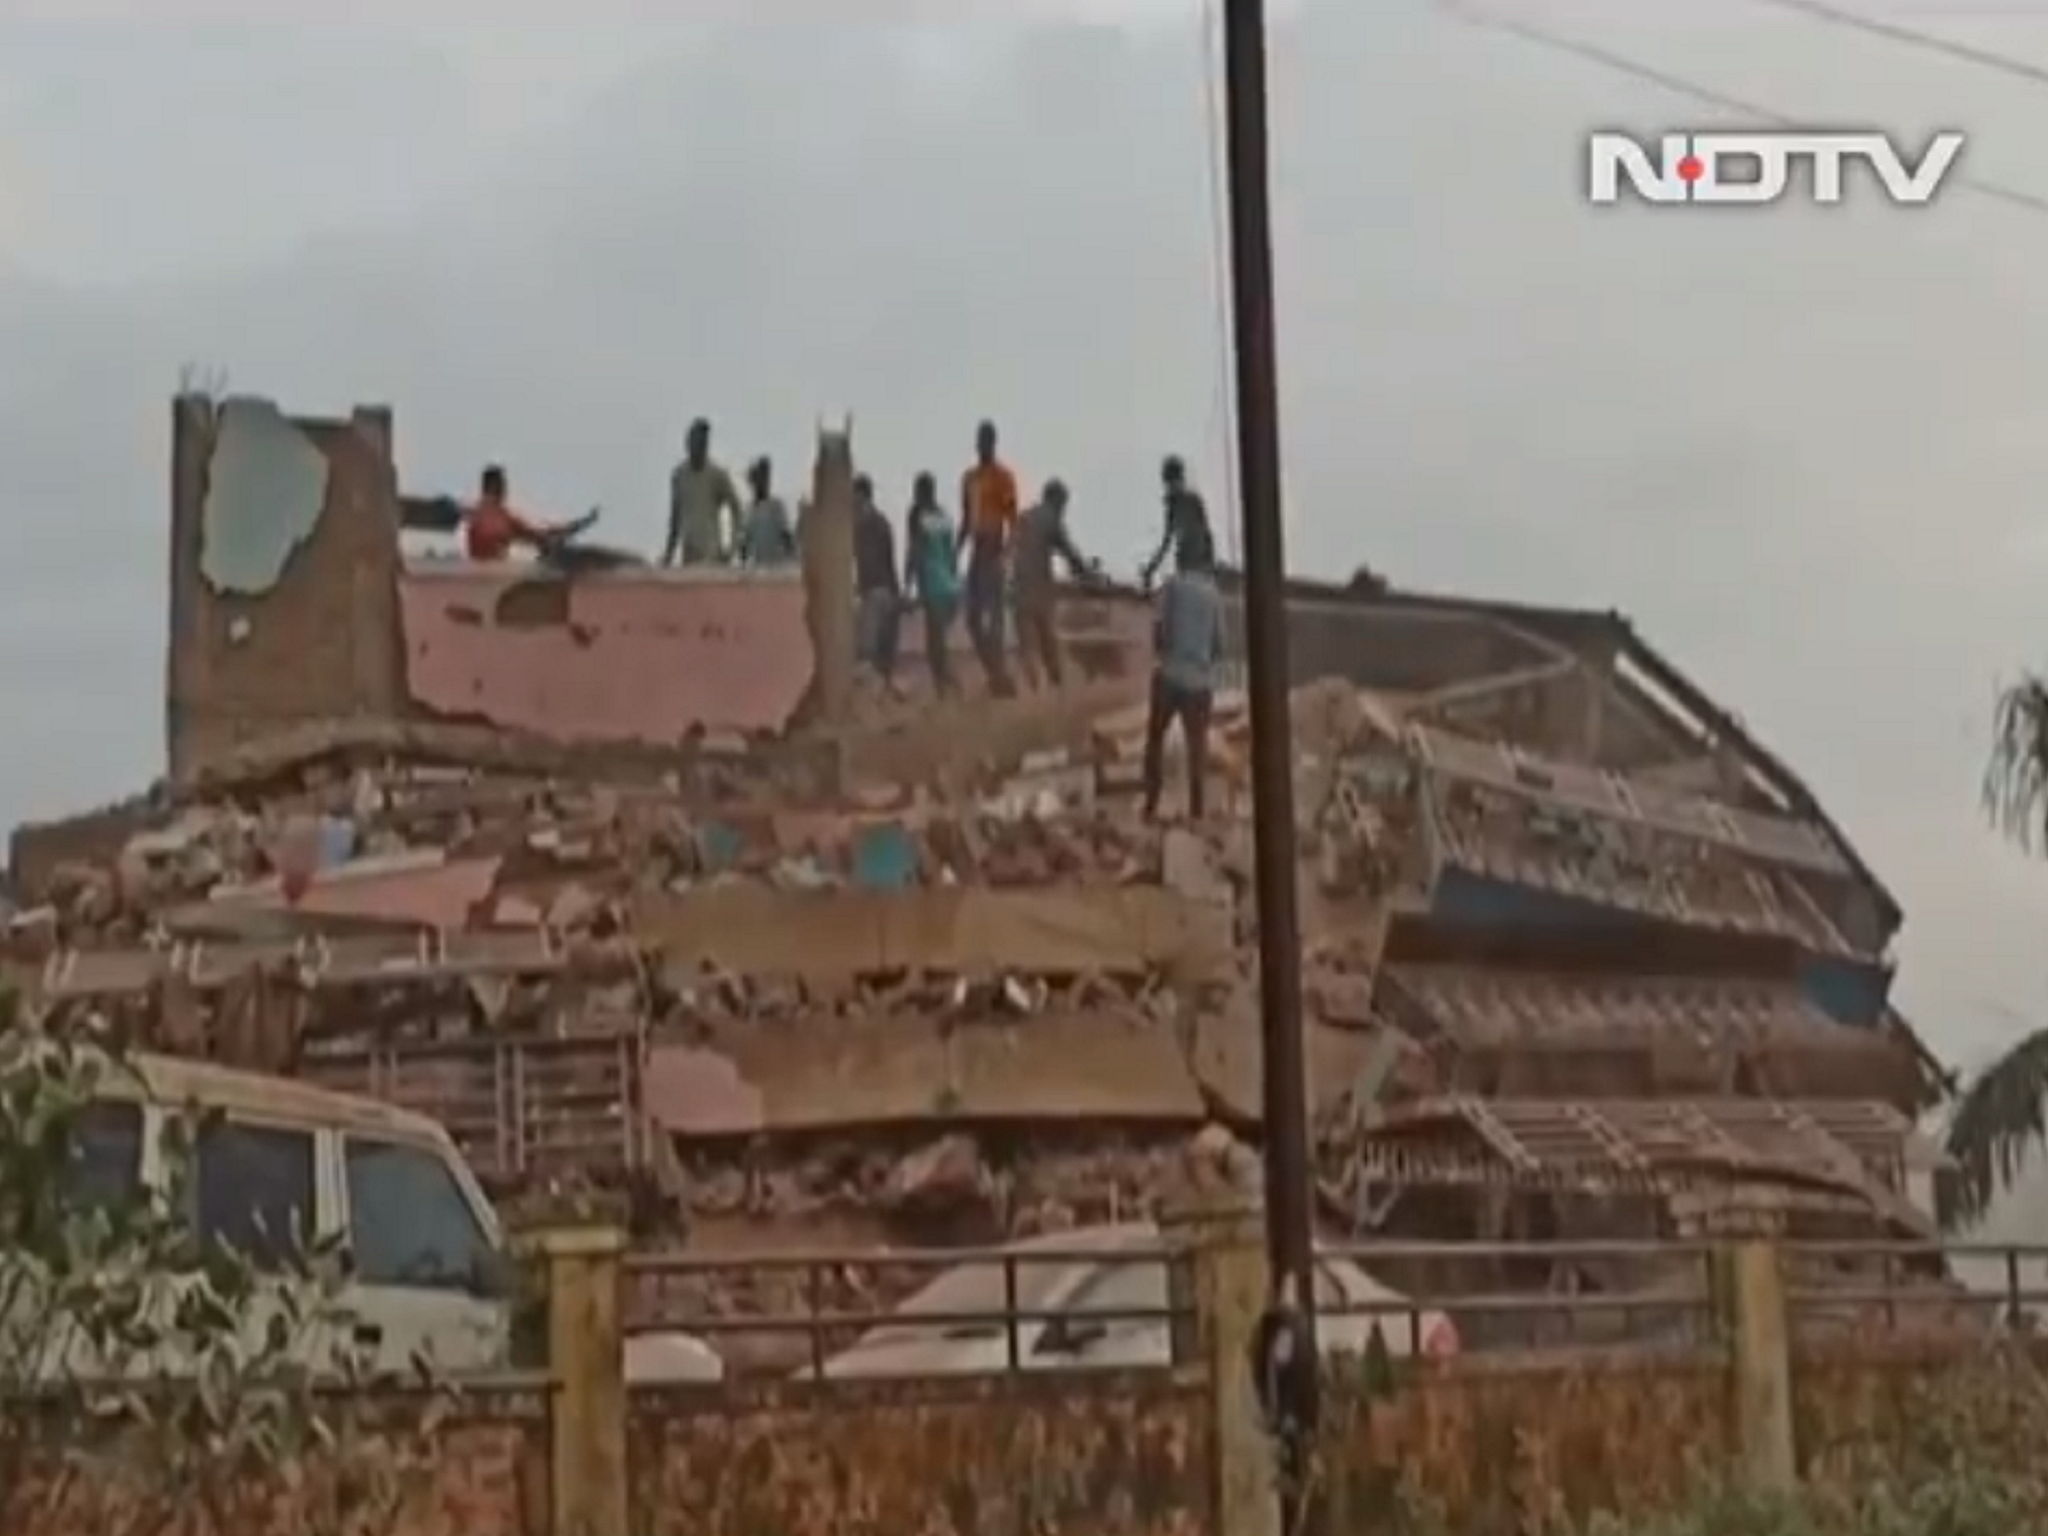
(1289, 1235)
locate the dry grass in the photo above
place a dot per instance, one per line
(1947, 1443)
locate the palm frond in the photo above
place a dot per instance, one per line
(2001, 1117)
(2016, 778)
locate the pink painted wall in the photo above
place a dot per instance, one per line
(623, 656)
(437, 896)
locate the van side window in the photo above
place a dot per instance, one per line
(254, 1187)
(409, 1222)
(105, 1167)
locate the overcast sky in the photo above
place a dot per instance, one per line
(1807, 451)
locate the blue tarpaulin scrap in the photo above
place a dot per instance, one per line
(719, 847)
(884, 858)
(337, 841)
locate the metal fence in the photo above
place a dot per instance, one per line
(1131, 1303)
(805, 1312)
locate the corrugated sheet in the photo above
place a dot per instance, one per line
(622, 656)
(1582, 788)
(1480, 1005)
(1593, 1143)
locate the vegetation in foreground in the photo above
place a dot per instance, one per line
(1866, 1494)
(155, 1379)
(1948, 1441)
(2000, 1118)
(1955, 1453)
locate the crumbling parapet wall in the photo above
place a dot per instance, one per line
(284, 574)
(292, 609)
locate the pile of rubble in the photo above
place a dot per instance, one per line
(1055, 1187)
(564, 964)
(769, 987)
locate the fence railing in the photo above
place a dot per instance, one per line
(839, 1313)
(1195, 1299)
(830, 1314)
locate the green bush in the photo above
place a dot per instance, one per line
(151, 1384)
(1956, 1504)
(1963, 1458)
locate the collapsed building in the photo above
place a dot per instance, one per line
(621, 876)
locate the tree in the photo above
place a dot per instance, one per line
(2003, 1114)
(152, 1384)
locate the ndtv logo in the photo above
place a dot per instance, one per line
(1754, 167)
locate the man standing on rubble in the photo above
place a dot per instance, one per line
(879, 616)
(988, 518)
(767, 537)
(701, 496)
(931, 571)
(1042, 536)
(1188, 641)
(1187, 519)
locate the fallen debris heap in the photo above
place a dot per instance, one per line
(1000, 1004)
(620, 875)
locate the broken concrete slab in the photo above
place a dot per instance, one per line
(918, 1069)
(752, 930)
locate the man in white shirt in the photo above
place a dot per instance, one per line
(701, 496)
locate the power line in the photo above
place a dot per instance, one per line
(1607, 58)
(1219, 262)
(1912, 37)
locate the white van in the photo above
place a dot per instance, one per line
(429, 1269)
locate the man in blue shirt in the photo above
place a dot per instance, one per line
(931, 573)
(767, 537)
(1188, 645)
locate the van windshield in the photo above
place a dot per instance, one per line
(409, 1221)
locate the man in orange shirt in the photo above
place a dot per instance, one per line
(491, 530)
(988, 517)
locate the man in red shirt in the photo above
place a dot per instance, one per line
(491, 530)
(988, 518)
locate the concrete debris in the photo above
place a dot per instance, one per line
(752, 988)
(938, 1179)
(1059, 1182)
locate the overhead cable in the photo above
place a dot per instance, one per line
(1607, 58)
(1912, 37)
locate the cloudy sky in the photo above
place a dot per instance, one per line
(1804, 449)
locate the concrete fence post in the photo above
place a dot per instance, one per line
(1224, 1267)
(586, 1359)
(1749, 1293)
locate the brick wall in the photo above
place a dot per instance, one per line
(1493, 1447)
(489, 1480)
(1114, 1456)
(321, 642)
